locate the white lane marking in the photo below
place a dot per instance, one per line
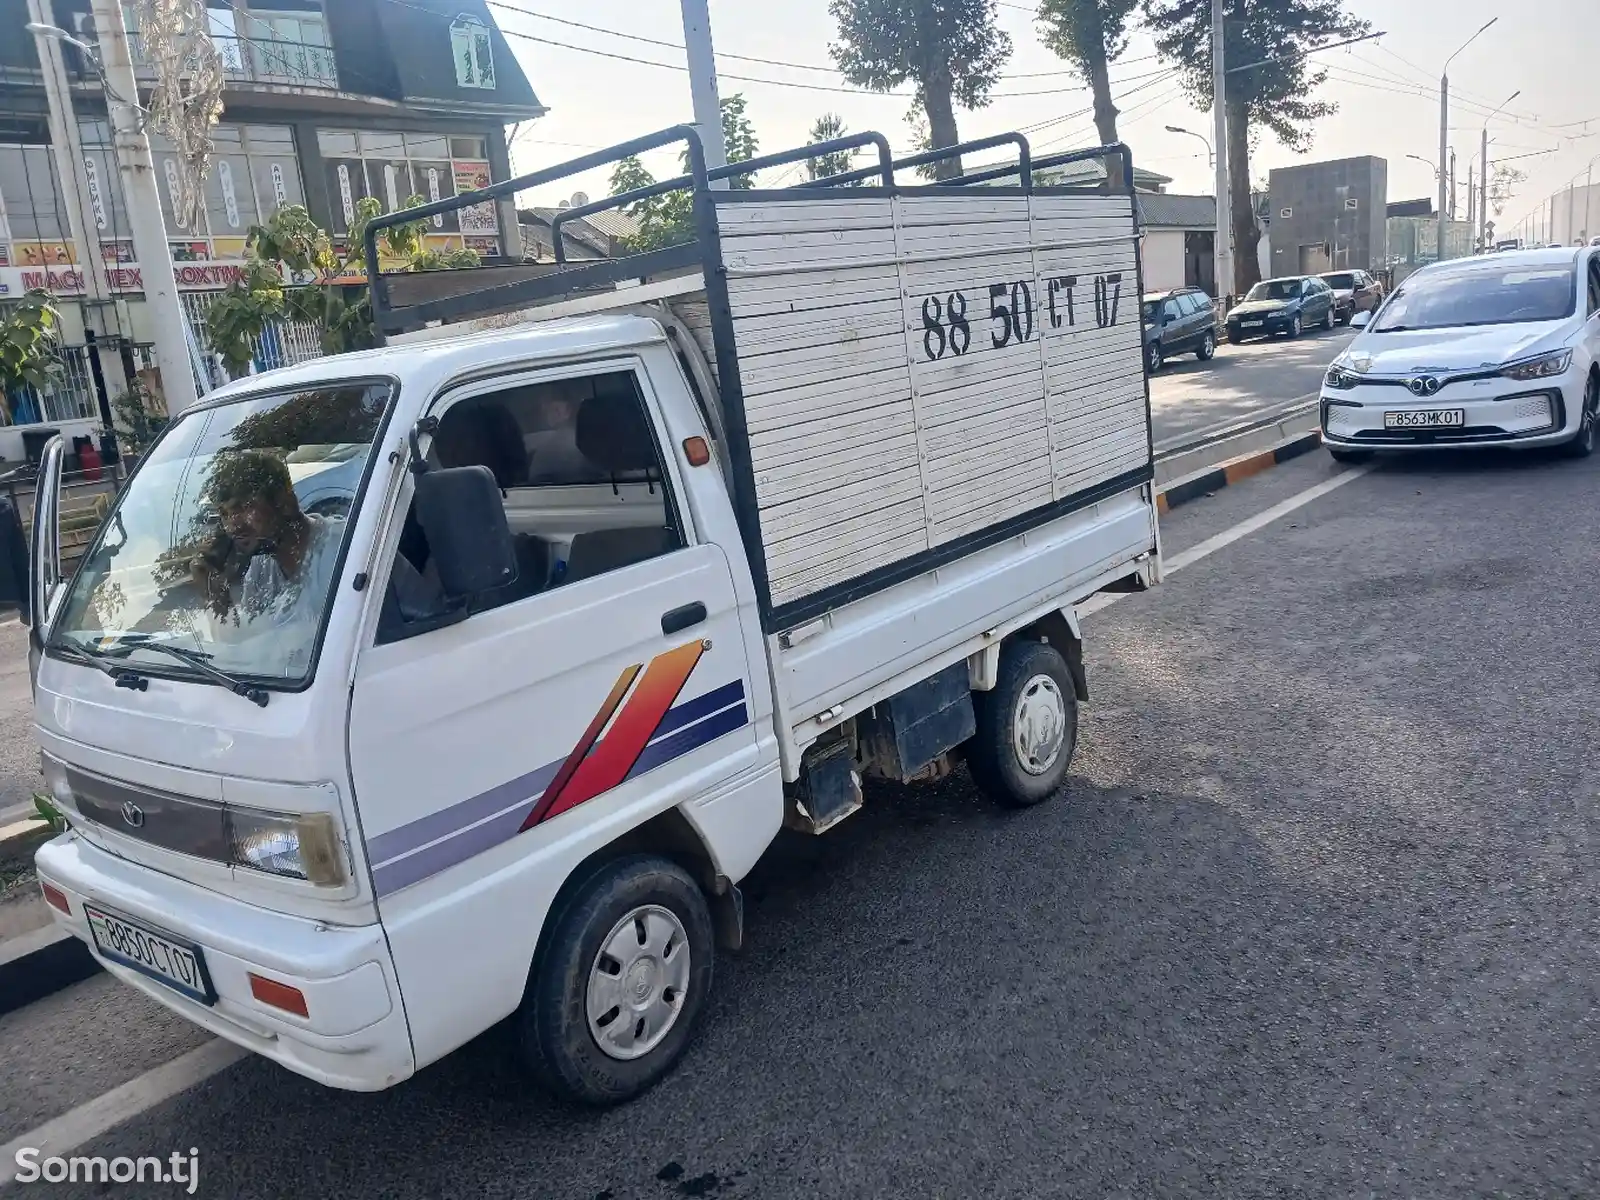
(1186, 558)
(88, 1121)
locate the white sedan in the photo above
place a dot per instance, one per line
(1498, 350)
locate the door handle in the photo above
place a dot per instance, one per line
(682, 618)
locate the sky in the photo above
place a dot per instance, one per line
(1387, 91)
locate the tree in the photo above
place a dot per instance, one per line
(28, 333)
(951, 51)
(826, 128)
(1503, 182)
(669, 220)
(291, 246)
(1275, 95)
(1091, 34)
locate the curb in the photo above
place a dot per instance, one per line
(39, 964)
(1236, 470)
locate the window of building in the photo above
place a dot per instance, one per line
(472, 48)
(585, 490)
(254, 172)
(396, 166)
(34, 207)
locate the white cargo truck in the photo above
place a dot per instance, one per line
(641, 561)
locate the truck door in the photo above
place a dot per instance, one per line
(44, 549)
(607, 684)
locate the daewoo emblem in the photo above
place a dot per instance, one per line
(1423, 385)
(132, 814)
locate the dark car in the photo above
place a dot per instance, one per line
(1285, 306)
(1353, 292)
(1178, 322)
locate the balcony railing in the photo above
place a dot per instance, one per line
(265, 60)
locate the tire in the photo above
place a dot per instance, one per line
(1349, 457)
(1583, 442)
(1034, 690)
(1328, 322)
(1295, 327)
(1234, 341)
(1152, 357)
(1208, 347)
(555, 1031)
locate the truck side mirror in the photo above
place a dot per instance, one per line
(460, 511)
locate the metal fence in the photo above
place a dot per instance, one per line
(69, 396)
(281, 344)
(261, 60)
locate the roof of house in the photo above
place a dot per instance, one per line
(1160, 210)
(614, 222)
(1090, 170)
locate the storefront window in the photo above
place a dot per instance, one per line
(395, 166)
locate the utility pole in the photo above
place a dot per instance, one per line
(1444, 135)
(1219, 116)
(144, 208)
(703, 84)
(1472, 197)
(1483, 189)
(1588, 190)
(67, 144)
(1453, 193)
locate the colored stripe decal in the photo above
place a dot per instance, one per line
(619, 689)
(635, 725)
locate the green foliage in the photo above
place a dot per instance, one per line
(28, 335)
(137, 427)
(1277, 94)
(950, 50)
(1090, 34)
(827, 127)
(49, 813)
(668, 220)
(1503, 185)
(290, 246)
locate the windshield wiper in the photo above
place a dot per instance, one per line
(98, 659)
(198, 660)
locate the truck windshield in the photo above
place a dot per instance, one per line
(225, 544)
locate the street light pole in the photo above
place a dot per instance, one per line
(703, 84)
(1219, 115)
(1483, 183)
(1211, 156)
(1444, 132)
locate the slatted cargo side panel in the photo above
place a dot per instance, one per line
(973, 326)
(815, 295)
(1094, 359)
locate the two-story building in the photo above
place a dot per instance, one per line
(326, 102)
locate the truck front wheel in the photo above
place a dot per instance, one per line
(1027, 726)
(614, 996)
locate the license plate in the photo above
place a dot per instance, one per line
(1252, 324)
(1427, 418)
(179, 965)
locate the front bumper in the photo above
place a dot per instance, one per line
(355, 1034)
(1248, 327)
(1498, 412)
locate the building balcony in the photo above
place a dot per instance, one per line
(263, 60)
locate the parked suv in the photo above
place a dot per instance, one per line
(1177, 322)
(1353, 292)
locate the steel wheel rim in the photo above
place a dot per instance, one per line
(1294, 327)
(1038, 725)
(1153, 357)
(638, 982)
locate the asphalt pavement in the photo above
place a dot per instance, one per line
(1189, 398)
(1315, 919)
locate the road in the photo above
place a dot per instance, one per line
(1189, 397)
(1315, 919)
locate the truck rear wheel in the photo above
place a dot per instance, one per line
(614, 996)
(1027, 726)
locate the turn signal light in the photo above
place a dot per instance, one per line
(278, 995)
(55, 898)
(696, 451)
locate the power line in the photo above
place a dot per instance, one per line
(648, 62)
(770, 62)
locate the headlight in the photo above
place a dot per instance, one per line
(304, 846)
(1338, 377)
(1546, 365)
